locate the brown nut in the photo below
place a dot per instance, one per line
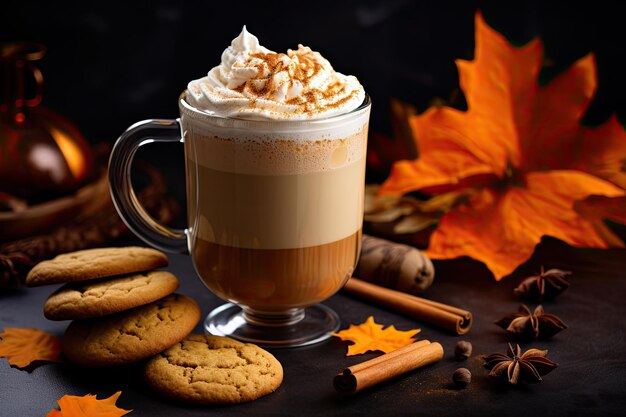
(462, 377)
(462, 350)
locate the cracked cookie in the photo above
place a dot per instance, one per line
(98, 298)
(95, 263)
(213, 370)
(131, 335)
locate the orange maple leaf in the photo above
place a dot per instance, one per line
(24, 346)
(88, 406)
(599, 206)
(521, 146)
(371, 336)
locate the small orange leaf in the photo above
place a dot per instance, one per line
(24, 346)
(371, 336)
(88, 406)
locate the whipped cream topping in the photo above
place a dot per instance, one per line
(253, 82)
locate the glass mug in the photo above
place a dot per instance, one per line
(274, 208)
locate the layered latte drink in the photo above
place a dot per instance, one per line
(275, 154)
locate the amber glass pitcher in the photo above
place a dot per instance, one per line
(42, 154)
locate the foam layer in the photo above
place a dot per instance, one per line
(247, 148)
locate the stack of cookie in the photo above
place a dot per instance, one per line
(123, 310)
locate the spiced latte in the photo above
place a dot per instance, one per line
(275, 155)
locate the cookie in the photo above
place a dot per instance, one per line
(131, 335)
(95, 263)
(213, 370)
(98, 298)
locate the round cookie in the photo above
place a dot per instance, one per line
(131, 335)
(95, 263)
(98, 298)
(212, 370)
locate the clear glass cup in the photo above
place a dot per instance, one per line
(274, 215)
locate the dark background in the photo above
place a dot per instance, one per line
(112, 63)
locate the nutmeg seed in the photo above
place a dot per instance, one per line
(462, 350)
(462, 377)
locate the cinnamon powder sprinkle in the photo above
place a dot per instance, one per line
(263, 85)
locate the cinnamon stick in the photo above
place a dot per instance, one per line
(442, 315)
(390, 365)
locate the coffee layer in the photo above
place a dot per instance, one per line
(274, 280)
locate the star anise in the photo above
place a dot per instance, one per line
(516, 367)
(546, 284)
(524, 324)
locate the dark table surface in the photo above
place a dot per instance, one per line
(590, 379)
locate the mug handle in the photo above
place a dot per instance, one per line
(122, 193)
